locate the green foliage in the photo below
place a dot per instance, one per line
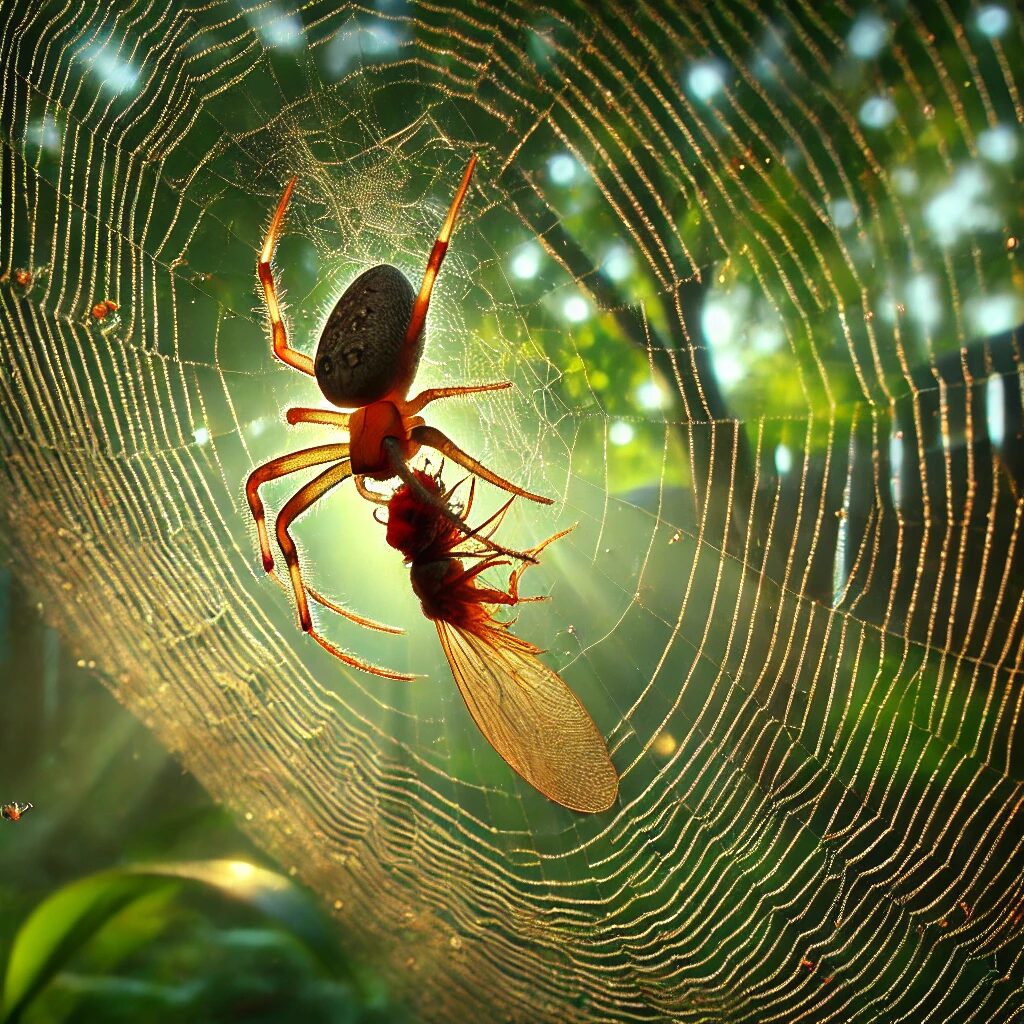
(108, 919)
(191, 926)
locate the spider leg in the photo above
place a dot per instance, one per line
(334, 419)
(401, 469)
(414, 405)
(362, 620)
(419, 310)
(288, 355)
(365, 492)
(299, 502)
(431, 437)
(282, 466)
(294, 507)
(365, 666)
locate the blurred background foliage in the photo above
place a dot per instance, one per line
(127, 893)
(792, 299)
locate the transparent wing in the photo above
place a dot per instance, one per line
(530, 717)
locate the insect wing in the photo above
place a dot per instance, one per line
(531, 717)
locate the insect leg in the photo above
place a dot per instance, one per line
(288, 355)
(513, 580)
(431, 437)
(282, 466)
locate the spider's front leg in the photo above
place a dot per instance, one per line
(283, 351)
(431, 437)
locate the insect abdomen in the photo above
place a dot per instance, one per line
(428, 584)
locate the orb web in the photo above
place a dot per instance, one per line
(754, 277)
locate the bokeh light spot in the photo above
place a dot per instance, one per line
(620, 433)
(526, 261)
(706, 78)
(576, 309)
(868, 36)
(877, 112)
(562, 168)
(993, 20)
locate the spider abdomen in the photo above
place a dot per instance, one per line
(360, 349)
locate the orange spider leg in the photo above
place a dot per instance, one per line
(431, 437)
(334, 419)
(365, 666)
(414, 405)
(362, 620)
(410, 350)
(365, 492)
(282, 466)
(282, 349)
(294, 507)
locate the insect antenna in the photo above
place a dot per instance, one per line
(482, 538)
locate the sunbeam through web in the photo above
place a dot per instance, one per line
(755, 276)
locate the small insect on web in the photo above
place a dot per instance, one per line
(524, 709)
(14, 810)
(366, 360)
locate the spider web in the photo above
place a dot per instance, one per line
(755, 279)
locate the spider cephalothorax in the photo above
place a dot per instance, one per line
(366, 360)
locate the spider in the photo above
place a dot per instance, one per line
(365, 361)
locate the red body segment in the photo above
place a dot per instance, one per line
(447, 590)
(368, 427)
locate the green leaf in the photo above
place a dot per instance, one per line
(66, 921)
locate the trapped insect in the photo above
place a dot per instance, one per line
(523, 708)
(14, 810)
(104, 309)
(366, 360)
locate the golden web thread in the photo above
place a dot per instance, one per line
(803, 783)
